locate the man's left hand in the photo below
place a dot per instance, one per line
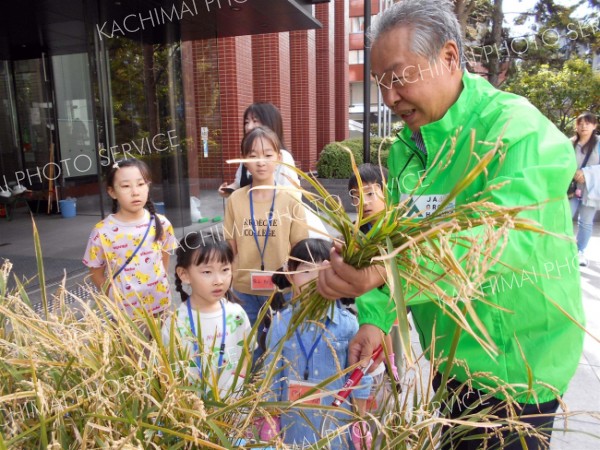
(338, 279)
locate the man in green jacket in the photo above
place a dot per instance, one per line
(532, 308)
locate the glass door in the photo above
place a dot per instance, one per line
(35, 116)
(76, 130)
(10, 157)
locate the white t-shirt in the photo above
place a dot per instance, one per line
(210, 330)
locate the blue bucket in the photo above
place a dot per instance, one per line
(68, 208)
(159, 207)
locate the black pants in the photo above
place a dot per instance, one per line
(467, 403)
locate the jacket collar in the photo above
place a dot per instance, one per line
(436, 135)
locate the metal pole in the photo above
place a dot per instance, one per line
(367, 87)
(379, 112)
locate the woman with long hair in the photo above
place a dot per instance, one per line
(587, 152)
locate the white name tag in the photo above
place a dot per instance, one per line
(425, 205)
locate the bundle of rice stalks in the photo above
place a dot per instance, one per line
(442, 256)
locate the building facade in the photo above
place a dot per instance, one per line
(304, 73)
(86, 82)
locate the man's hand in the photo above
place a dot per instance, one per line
(362, 346)
(338, 279)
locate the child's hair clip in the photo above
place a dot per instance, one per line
(115, 165)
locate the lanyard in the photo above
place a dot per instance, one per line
(312, 350)
(253, 222)
(193, 328)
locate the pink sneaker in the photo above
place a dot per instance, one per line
(268, 430)
(361, 436)
(394, 369)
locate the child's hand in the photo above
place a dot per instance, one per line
(225, 190)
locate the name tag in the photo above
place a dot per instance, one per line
(298, 389)
(425, 205)
(261, 281)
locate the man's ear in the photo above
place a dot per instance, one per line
(183, 275)
(449, 55)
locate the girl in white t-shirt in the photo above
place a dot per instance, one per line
(211, 329)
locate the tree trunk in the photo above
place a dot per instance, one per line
(150, 89)
(460, 9)
(494, 60)
(151, 103)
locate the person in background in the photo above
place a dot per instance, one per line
(261, 225)
(587, 150)
(256, 115)
(128, 251)
(267, 115)
(453, 118)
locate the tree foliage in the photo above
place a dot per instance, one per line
(560, 94)
(557, 35)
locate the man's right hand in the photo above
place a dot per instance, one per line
(340, 280)
(364, 343)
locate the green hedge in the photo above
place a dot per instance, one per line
(334, 162)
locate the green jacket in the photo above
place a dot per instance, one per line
(538, 164)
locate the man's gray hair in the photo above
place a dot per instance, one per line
(433, 22)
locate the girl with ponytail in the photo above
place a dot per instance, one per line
(128, 251)
(212, 328)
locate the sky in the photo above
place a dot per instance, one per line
(512, 8)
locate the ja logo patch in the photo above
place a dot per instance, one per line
(425, 205)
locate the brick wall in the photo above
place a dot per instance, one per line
(303, 98)
(271, 73)
(325, 55)
(357, 7)
(304, 73)
(235, 94)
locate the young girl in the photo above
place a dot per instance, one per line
(128, 251)
(212, 328)
(315, 352)
(261, 224)
(262, 114)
